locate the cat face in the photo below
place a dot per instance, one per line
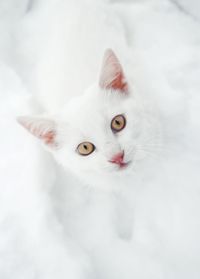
(96, 132)
(100, 132)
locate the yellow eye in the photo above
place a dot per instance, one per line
(118, 123)
(85, 148)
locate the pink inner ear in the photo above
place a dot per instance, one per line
(112, 75)
(40, 128)
(49, 137)
(119, 82)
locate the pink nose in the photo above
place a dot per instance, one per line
(118, 158)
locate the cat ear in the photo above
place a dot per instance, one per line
(112, 75)
(42, 128)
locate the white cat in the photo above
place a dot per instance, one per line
(155, 229)
(102, 135)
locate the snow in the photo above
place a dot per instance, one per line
(159, 238)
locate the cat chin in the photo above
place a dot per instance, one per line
(110, 170)
(99, 178)
(121, 169)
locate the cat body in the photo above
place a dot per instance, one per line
(78, 100)
(82, 100)
(81, 104)
(88, 119)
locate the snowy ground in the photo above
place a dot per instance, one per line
(37, 240)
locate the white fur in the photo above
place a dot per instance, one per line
(60, 80)
(88, 118)
(155, 231)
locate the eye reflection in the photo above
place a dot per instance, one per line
(85, 148)
(118, 123)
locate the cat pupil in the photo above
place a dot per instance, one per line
(85, 146)
(117, 122)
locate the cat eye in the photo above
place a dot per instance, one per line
(118, 123)
(85, 148)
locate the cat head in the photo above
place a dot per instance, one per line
(99, 134)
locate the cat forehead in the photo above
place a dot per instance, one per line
(92, 113)
(84, 123)
(85, 116)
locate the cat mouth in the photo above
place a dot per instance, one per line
(118, 161)
(124, 165)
